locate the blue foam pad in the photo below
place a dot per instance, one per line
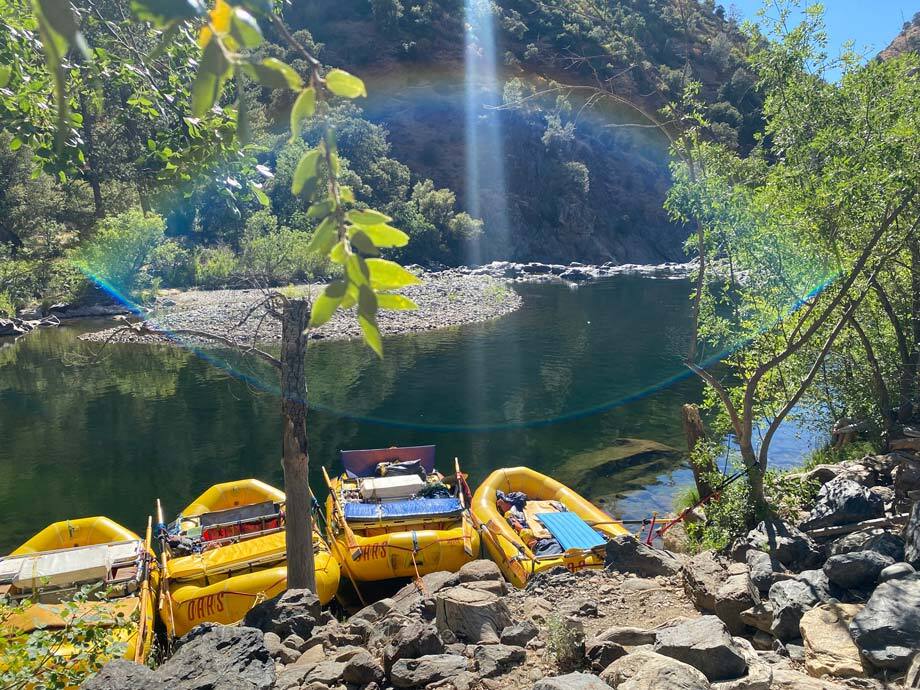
(418, 507)
(570, 530)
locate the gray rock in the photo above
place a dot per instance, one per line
(571, 681)
(843, 501)
(413, 640)
(856, 569)
(703, 574)
(790, 599)
(646, 670)
(328, 673)
(217, 656)
(479, 570)
(361, 668)
(294, 612)
(705, 644)
(876, 539)
(519, 634)
(374, 612)
(736, 594)
(122, 674)
(787, 544)
(631, 637)
(887, 630)
(601, 653)
(759, 616)
(896, 571)
(495, 659)
(912, 537)
(410, 598)
(765, 570)
(628, 555)
(472, 615)
(295, 642)
(759, 674)
(417, 673)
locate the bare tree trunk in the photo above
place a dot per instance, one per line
(299, 524)
(695, 432)
(755, 473)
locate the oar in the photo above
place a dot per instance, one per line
(145, 595)
(337, 508)
(467, 526)
(164, 572)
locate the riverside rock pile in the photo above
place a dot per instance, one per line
(576, 272)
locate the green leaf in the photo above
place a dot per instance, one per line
(15, 144)
(395, 302)
(385, 235)
(259, 193)
(346, 85)
(371, 334)
(320, 209)
(367, 217)
(306, 169)
(245, 29)
(389, 275)
(324, 238)
(5, 71)
(356, 269)
(212, 72)
(274, 74)
(325, 305)
(338, 254)
(363, 244)
(163, 12)
(304, 107)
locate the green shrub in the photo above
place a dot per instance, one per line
(173, 264)
(119, 252)
(7, 308)
(275, 255)
(215, 267)
(564, 642)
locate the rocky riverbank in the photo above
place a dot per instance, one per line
(576, 272)
(831, 608)
(445, 298)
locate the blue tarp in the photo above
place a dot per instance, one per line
(419, 507)
(570, 530)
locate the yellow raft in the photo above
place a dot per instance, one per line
(226, 553)
(53, 566)
(384, 526)
(507, 548)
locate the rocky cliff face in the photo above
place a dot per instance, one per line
(580, 183)
(906, 41)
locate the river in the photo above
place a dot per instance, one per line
(557, 386)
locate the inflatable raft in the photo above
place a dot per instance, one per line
(544, 524)
(226, 552)
(53, 567)
(392, 515)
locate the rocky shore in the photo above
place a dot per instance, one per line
(445, 298)
(576, 272)
(831, 608)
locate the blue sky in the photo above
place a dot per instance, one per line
(870, 23)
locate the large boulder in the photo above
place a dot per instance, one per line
(790, 599)
(628, 555)
(875, 539)
(472, 615)
(829, 648)
(480, 570)
(433, 668)
(122, 674)
(842, 502)
(294, 612)
(856, 569)
(906, 479)
(896, 571)
(601, 653)
(216, 656)
(647, 670)
(703, 574)
(571, 681)
(736, 594)
(765, 569)
(630, 637)
(759, 674)
(790, 546)
(887, 630)
(788, 679)
(912, 537)
(705, 644)
(519, 634)
(412, 640)
(759, 616)
(410, 597)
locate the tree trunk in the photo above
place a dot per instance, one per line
(910, 372)
(299, 520)
(702, 467)
(755, 473)
(92, 164)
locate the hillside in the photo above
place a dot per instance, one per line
(907, 40)
(578, 185)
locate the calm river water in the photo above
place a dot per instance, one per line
(556, 386)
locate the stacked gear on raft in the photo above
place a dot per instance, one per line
(392, 514)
